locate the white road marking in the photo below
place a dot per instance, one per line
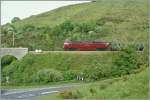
(31, 95)
(23, 96)
(49, 92)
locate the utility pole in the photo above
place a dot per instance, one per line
(11, 31)
(13, 39)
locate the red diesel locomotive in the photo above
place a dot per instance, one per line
(86, 46)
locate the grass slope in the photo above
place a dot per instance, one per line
(133, 86)
(90, 11)
(133, 26)
(26, 69)
(49, 67)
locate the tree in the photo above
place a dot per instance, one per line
(67, 26)
(28, 28)
(13, 31)
(15, 19)
(6, 60)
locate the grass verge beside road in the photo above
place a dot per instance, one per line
(127, 87)
(32, 85)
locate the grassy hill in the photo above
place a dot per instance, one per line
(69, 65)
(133, 86)
(121, 21)
(49, 67)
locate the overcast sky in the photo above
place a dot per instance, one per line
(22, 9)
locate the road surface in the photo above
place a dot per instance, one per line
(30, 94)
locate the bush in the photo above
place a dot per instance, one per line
(28, 28)
(57, 30)
(98, 72)
(115, 46)
(106, 29)
(15, 19)
(69, 75)
(140, 47)
(66, 94)
(85, 27)
(70, 94)
(11, 72)
(29, 59)
(49, 75)
(6, 60)
(125, 61)
(67, 26)
(92, 91)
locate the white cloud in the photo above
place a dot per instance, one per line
(22, 9)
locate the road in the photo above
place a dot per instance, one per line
(30, 94)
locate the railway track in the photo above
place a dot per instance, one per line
(82, 52)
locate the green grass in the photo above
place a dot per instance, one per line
(88, 11)
(133, 28)
(26, 69)
(64, 66)
(134, 86)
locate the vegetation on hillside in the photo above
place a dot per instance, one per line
(124, 23)
(117, 21)
(7, 60)
(50, 67)
(134, 86)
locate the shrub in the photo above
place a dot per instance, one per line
(49, 75)
(67, 26)
(69, 75)
(11, 72)
(66, 94)
(115, 46)
(86, 27)
(15, 19)
(76, 28)
(98, 29)
(77, 94)
(76, 37)
(70, 94)
(143, 60)
(6, 60)
(98, 72)
(28, 28)
(92, 91)
(125, 61)
(29, 59)
(140, 47)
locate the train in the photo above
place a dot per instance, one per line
(86, 46)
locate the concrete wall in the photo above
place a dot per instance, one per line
(17, 52)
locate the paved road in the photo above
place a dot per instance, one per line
(30, 94)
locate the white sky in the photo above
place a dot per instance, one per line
(22, 9)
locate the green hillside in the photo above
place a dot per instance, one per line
(68, 65)
(49, 67)
(119, 21)
(133, 86)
